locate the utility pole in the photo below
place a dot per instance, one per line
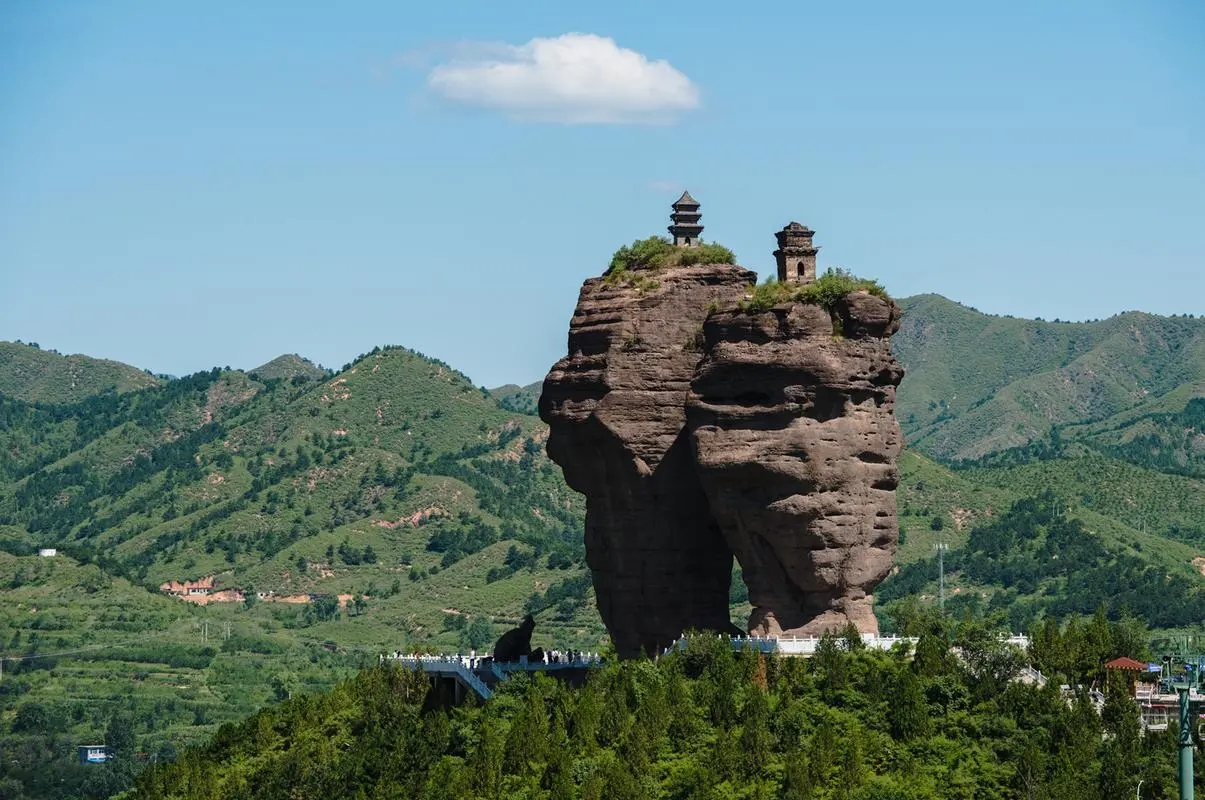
(940, 547)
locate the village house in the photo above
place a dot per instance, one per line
(198, 588)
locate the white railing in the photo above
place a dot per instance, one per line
(460, 666)
(807, 645)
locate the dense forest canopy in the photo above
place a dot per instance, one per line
(705, 722)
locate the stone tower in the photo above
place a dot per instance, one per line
(686, 228)
(796, 256)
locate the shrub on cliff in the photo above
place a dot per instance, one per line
(825, 291)
(657, 251)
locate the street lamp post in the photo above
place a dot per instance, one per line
(1184, 739)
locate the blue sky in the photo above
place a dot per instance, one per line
(183, 187)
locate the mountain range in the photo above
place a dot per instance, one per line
(394, 504)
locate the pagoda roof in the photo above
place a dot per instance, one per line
(686, 200)
(795, 226)
(1126, 663)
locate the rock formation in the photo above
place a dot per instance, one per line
(791, 414)
(698, 430)
(616, 411)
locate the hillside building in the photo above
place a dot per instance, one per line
(685, 227)
(796, 255)
(201, 588)
(93, 753)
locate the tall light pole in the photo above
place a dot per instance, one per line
(1185, 741)
(1184, 683)
(940, 547)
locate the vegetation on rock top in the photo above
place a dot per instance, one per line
(825, 291)
(657, 252)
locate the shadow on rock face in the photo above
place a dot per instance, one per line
(615, 410)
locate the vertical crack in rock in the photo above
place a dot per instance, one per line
(796, 444)
(615, 407)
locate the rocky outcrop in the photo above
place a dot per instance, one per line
(698, 431)
(615, 407)
(791, 416)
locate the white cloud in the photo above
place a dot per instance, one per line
(574, 78)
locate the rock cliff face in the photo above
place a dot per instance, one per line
(696, 437)
(796, 445)
(616, 411)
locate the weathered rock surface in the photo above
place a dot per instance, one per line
(796, 445)
(616, 410)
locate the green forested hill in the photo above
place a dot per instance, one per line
(978, 383)
(398, 457)
(30, 373)
(520, 399)
(287, 367)
(412, 509)
(704, 722)
(402, 502)
(1106, 416)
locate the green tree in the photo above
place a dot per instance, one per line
(908, 710)
(478, 634)
(757, 740)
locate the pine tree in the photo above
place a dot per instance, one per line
(908, 710)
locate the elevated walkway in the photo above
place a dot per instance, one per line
(479, 675)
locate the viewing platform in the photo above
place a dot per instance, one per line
(480, 674)
(455, 676)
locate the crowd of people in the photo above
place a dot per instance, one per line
(472, 661)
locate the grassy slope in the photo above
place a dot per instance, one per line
(44, 376)
(287, 367)
(978, 383)
(520, 399)
(391, 410)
